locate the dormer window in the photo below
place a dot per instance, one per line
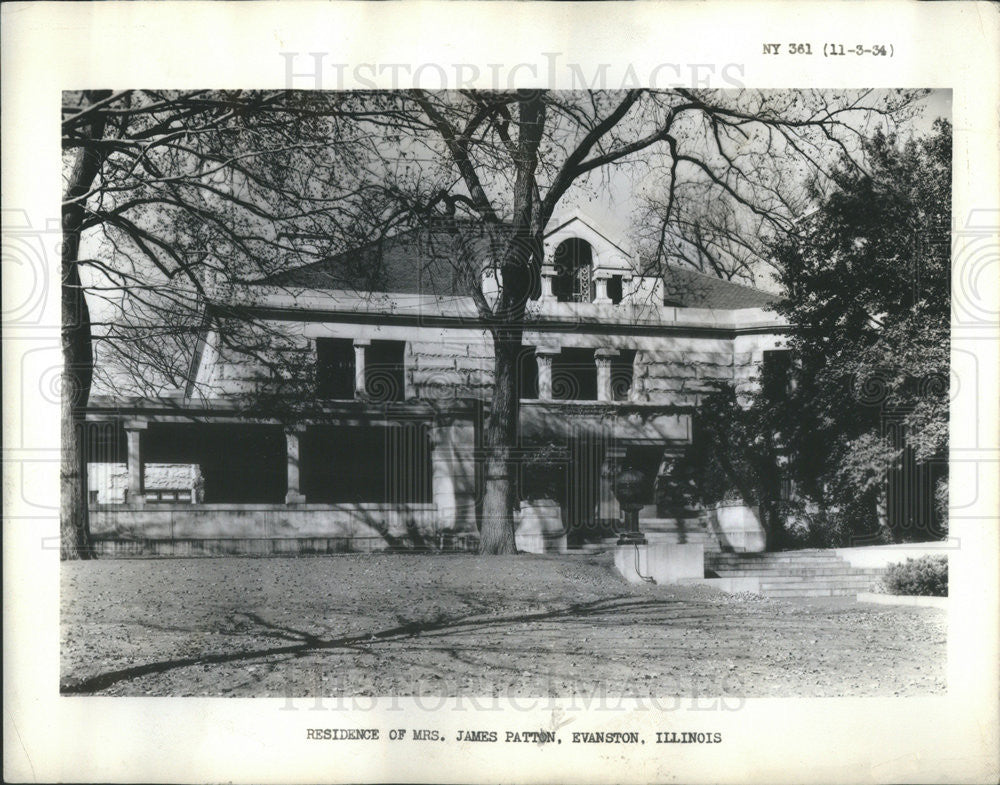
(615, 289)
(573, 260)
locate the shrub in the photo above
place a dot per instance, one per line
(926, 577)
(812, 528)
(543, 472)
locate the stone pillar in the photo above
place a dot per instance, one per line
(360, 345)
(548, 273)
(601, 287)
(544, 359)
(136, 466)
(608, 509)
(626, 288)
(453, 473)
(293, 496)
(603, 359)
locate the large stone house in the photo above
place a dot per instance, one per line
(614, 361)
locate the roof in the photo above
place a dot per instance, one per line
(692, 289)
(428, 260)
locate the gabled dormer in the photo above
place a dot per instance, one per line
(584, 262)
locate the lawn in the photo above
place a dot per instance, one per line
(400, 624)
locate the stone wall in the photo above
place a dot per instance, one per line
(679, 376)
(438, 370)
(356, 526)
(443, 363)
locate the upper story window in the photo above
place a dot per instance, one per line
(385, 371)
(573, 282)
(621, 374)
(335, 368)
(776, 373)
(615, 288)
(527, 373)
(574, 375)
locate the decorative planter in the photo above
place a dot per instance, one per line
(540, 528)
(737, 525)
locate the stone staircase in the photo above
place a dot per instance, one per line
(669, 531)
(805, 573)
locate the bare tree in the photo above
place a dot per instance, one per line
(174, 194)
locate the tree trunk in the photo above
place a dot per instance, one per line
(76, 377)
(77, 353)
(497, 529)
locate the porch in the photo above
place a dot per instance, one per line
(397, 476)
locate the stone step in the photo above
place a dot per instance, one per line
(799, 571)
(766, 587)
(786, 554)
(801, 552)
(812, 592)
(767, 567)
(791, 565)
(776, 558)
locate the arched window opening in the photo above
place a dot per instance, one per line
(573, 260)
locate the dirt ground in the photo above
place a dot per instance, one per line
(463, 625)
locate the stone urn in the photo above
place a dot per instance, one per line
(630, 485)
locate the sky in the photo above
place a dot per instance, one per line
(614, 203)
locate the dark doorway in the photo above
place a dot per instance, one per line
(583, 490)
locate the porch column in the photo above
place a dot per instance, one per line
(603, 359)
(544, 359)
(601, 287)
(293, 496)
(133, 435)
(548, 273)
(360, 344)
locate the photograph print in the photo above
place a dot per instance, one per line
(626, 393)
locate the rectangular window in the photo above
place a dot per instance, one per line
(776, 374)
(621, 374)
(574, 375)
(527, 373)
(615, 289)
(335, 368)
(367, 464)
(385, 379)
